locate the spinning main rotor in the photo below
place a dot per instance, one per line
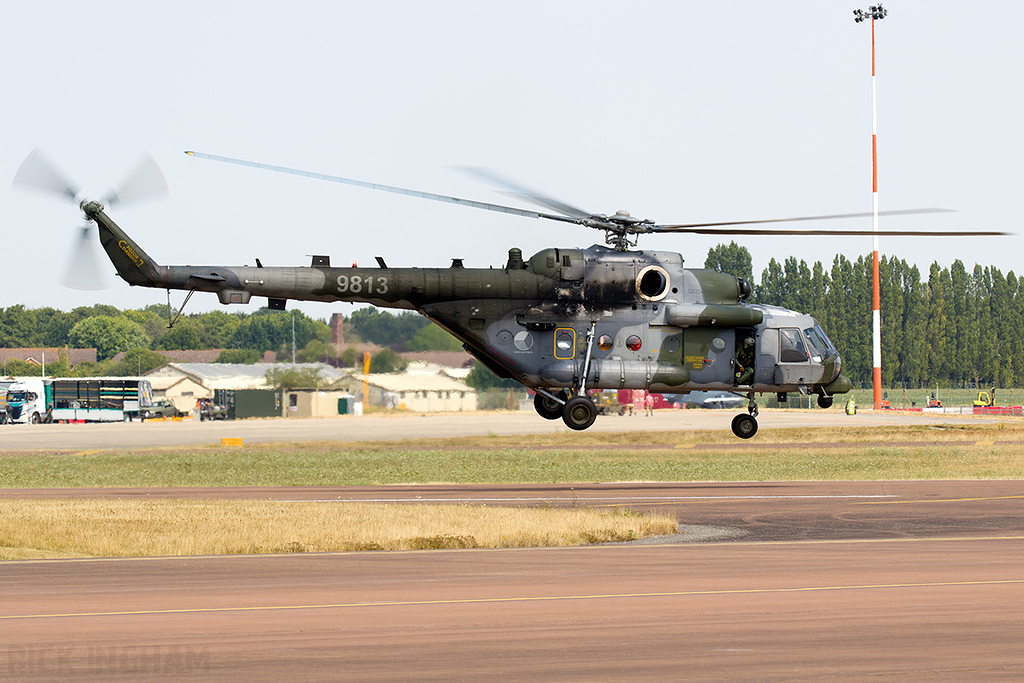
(621, 229)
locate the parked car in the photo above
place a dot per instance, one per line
(161, 409)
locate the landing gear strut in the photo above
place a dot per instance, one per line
(579, 412)
(745, 426)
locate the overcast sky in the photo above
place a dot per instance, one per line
(675, 111)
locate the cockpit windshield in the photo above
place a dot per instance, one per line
(820, 344)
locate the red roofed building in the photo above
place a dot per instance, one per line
(40, 356)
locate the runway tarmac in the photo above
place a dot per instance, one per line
(767, 581)
(905, 581)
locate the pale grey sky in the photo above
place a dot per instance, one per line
(675, 111)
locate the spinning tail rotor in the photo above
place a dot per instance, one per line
(146, 181)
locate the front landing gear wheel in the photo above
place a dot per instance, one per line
(824, 401)
(744, 426)
(579, 413)
(548, 408)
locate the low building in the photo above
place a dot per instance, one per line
(424, 393)
(185, 383)
(318, 403)
(183, 391)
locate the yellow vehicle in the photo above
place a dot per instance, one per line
(607, 403)
(985, 399)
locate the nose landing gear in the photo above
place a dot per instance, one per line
(745, 426)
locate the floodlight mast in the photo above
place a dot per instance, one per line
(874, 12)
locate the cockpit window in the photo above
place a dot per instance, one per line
(816, 343)
(821, 345)
(791, 346)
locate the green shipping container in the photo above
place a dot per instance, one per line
(243, 403)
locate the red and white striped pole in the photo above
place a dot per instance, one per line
(873, 13)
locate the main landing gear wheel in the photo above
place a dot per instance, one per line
(579, 413)
(546, 407)
(824, 401)
(744, 426)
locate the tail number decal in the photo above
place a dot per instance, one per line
(356, 284)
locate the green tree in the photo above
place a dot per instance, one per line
(290, 377)
(21, 368)
(965, 331)
(351, 357)
(243, 356)
(216, 328)
(480, 377)
(108, 335)
(797, 290)
(387, 361)
(385, 329)
(891, 313)
(914, 351)
(317, 351)
(818, 299)
(136, 362)
(52, 327)
(184, 336)
(731, 258)
(269, 330)
(1013, 330)
(17, 328)
(772, 290)
(433, 338)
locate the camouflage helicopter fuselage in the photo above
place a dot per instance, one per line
(576, 319)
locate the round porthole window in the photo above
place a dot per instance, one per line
(605, 342)
(652, 283)
(633, 342)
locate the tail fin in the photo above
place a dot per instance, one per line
(132, 263)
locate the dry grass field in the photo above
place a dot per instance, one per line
(118, 528)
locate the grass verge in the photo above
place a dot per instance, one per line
(116, 528)
(962, 452)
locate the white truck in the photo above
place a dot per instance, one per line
(29, 400)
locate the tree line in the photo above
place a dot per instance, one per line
(951, 326)
(244, 337)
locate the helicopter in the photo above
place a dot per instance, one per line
(562, 322)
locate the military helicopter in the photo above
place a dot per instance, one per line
(562, 322)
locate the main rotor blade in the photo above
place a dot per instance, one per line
(514, 190)
(832, 233)
(83, 271)
(388, 188)
(721, 229)
(39, 173)
(145, 182)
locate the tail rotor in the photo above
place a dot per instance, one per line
(146, 181)
(82, 270)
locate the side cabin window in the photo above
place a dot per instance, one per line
(791, 346)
